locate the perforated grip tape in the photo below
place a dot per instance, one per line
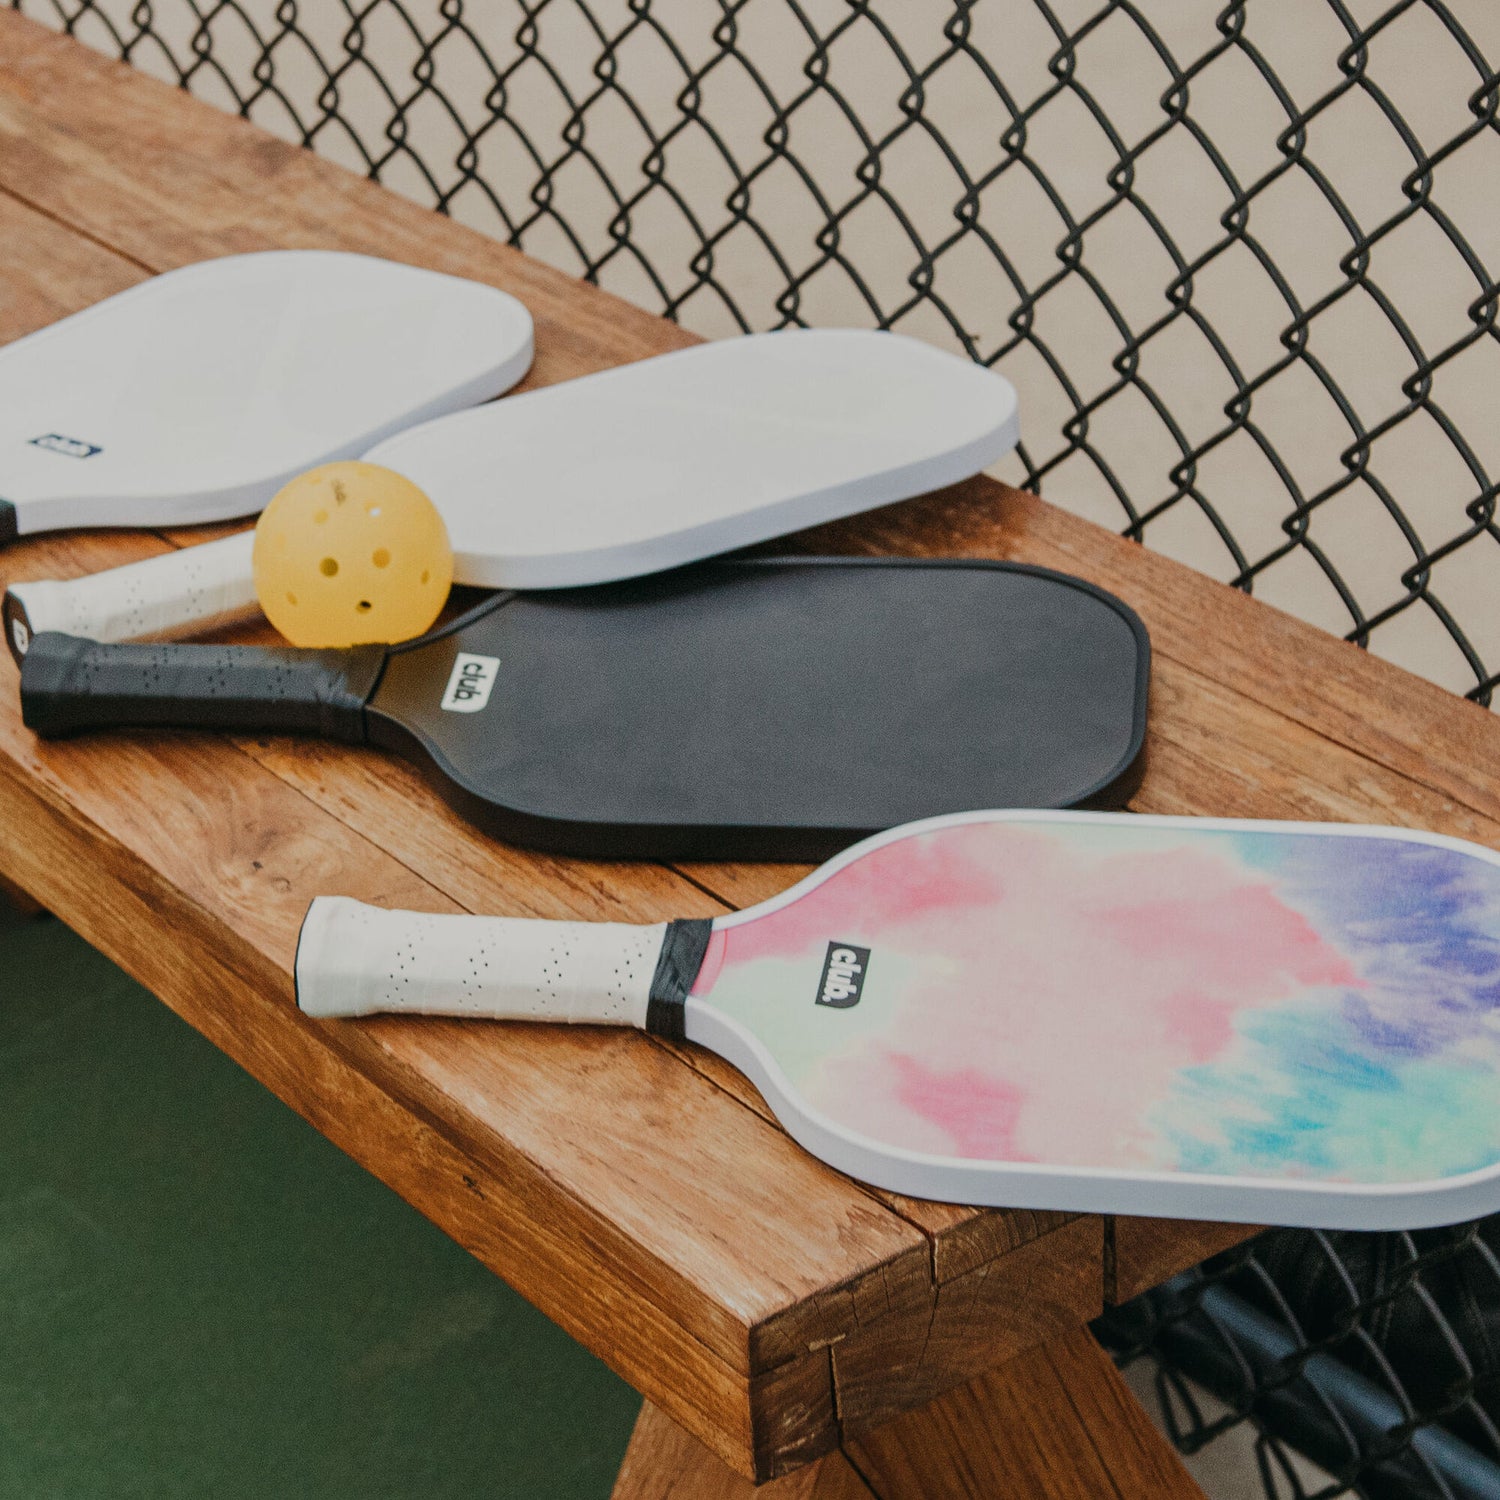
(68, 685)
(193, 589)
(357, 960)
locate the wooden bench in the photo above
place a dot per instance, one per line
(780, 1319)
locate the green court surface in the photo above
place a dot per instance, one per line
(200, 1296)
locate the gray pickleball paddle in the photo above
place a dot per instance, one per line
(771, 709)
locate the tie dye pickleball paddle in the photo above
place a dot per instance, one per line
(1248, 1021)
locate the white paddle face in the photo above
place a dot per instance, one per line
(1262, 1022)
(196, 395)
(681, 457)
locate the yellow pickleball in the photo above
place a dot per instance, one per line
(349, 554)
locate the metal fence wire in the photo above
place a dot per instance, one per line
(1374, 1356)
(1240, 261)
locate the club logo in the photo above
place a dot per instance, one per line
(55, 442)
(470, 683)
(844, 971)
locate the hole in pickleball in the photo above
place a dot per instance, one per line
(321, 516)
(372, 510)
(291, 598)
(363, 606)
(425, 575)
(328, 567)
(382, 558)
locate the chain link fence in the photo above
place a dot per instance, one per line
(1345, 1363)
(1240, 262)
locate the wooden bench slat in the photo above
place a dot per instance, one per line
(1143, 1253)
(51, 271)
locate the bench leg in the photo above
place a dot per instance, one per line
(665, 1463)
(1057, 1423)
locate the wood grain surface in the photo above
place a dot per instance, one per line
(665, 1463)
(1143, 1253)
(1057, 1424)
(638, 1193)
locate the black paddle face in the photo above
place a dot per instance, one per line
(774, 709)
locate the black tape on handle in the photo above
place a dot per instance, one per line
(10, 527)
(69, 684)
(682, 953)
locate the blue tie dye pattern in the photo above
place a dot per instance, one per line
(1391, 1082)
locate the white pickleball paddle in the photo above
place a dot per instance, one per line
(196, 395)
(631, 471)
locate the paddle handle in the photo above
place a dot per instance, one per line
(358, 960)
(69, 685)
(194, 589)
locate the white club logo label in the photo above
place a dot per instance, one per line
(69, 447)
(843, 979)
(470, 683)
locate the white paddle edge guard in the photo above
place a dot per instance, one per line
(194, 589)
(358, 960)
(1171, 1195)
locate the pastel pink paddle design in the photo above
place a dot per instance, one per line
(1265, 1022)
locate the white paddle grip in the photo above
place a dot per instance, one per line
(357, 960)
(192, 589)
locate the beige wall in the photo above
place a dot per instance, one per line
(1413, 61)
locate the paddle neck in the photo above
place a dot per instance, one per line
(357, 960)
(69, 685)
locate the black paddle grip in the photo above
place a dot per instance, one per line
(69, 684)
